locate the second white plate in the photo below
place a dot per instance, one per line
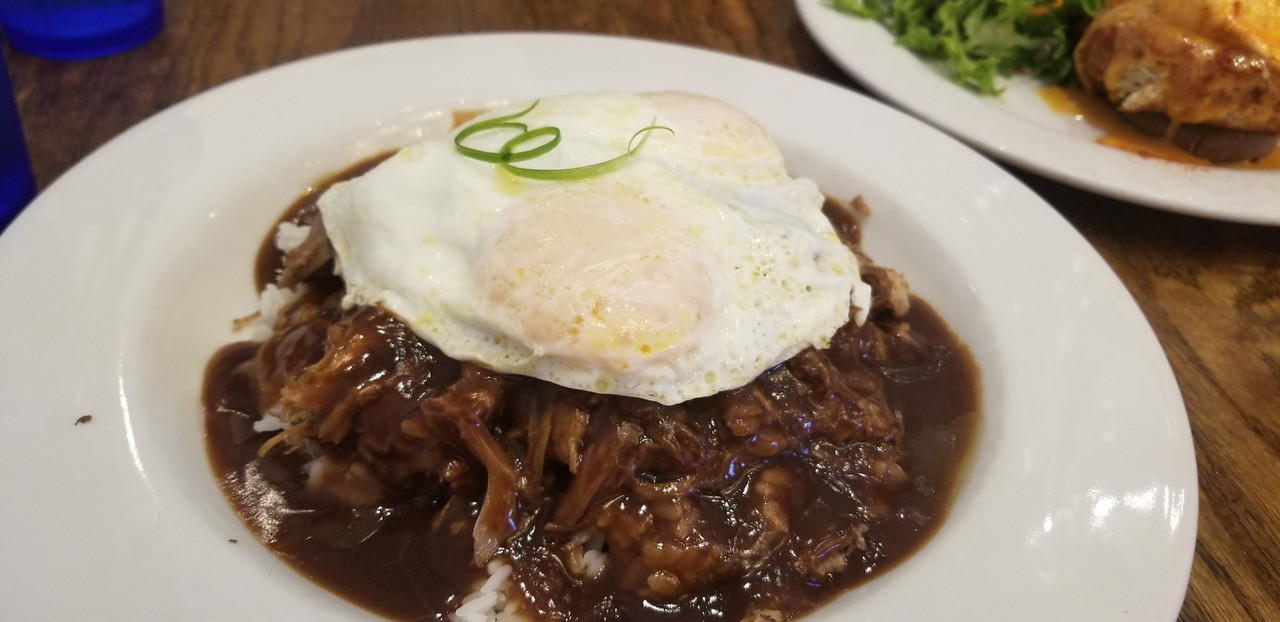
(1019, 128)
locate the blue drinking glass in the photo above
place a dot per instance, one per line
(76, 29)
(17, 186)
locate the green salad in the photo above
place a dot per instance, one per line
(980, 40)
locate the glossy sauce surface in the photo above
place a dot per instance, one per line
(410, 557)
(1117, 133)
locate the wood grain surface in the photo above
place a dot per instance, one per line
(1211, 290)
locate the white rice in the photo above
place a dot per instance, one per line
(594, 563)
(585, 558)
(270, 302)
(489, 602)
(269, 423)
(289, 236)
(274, 298)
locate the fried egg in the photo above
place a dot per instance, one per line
(689, 268)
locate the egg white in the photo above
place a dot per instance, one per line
(689, 270)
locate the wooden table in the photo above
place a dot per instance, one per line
(1211, 290)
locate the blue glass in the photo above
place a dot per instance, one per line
(75, 29)
(17, 186)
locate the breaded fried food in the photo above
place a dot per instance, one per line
(1205, 73)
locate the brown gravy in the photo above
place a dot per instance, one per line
(411, 558)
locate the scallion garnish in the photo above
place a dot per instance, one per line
(508, 154)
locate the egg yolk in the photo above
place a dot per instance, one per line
(594, 273)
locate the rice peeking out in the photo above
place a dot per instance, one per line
(489, 602)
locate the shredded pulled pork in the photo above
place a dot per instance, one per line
(386, 410)
(781, 477)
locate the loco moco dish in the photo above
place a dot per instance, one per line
(590, 357)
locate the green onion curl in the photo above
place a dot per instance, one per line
(506, 155)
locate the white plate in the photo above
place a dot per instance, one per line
(122, 278)
(1017, 127)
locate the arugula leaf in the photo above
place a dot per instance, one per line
(982, 40)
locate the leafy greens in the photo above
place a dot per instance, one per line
(980, 40)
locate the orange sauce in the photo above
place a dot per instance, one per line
(1119, 134)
